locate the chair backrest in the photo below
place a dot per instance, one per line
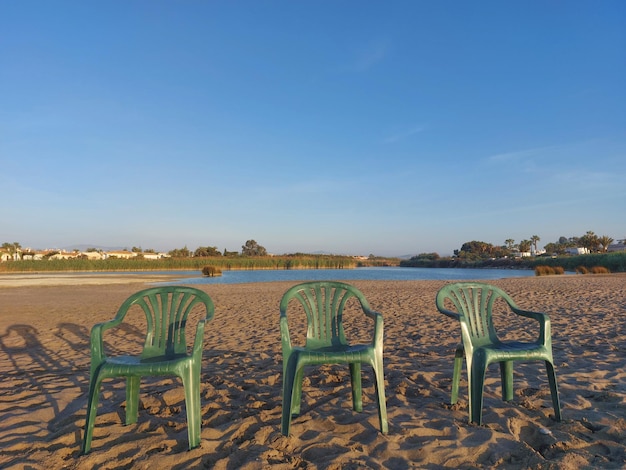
(323, 304)
(166, 310)
(473, 306)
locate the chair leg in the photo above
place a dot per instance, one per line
(506, 377)
(92, 408)
(297, 391)
(477, 382)
(191, 384)
(132, 399)
(554, 390)
(380, 395)
(357, 389)
(456, 374)
(289, 389)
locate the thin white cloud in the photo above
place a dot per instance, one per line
(372, 55)
(589, 179)
(522, 154)
(578, 165)
(403, 135)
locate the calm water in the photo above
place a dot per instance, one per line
(358, 274)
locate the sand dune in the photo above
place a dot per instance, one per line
(44, 372)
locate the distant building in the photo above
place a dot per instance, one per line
(124, 254)
(577, 251)
(65, 255)
(91, 255)
(155, 255)
(537, 252)
(33, 255)
(619, 246)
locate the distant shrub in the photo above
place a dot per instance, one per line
(600, 270)
(582, 270)
(211, 271)
(543, 270)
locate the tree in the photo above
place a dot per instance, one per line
(605, 241)
(475, 250)
(524, 246)
(205, 251)
(252, 248)
(427, 256)
(534, 239)
(555, 248)
(13, 249)
(590, 241)
(510, 244)
(180, 252)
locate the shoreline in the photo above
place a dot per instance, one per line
(73, 279)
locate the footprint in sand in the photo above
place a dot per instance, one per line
(537, 437)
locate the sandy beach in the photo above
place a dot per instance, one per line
(44, 374)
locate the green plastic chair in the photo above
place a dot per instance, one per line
(473, 304)
(164, 353)
(323, 303)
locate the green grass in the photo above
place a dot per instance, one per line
(612, 262)
(189, 264)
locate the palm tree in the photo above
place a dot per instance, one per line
(534, 239)
(605, 241)
(510, 243)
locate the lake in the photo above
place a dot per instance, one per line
(357, 274)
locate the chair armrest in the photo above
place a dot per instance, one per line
(439, 302)
(97, 342)
(198, 341)
(543, 320)
(450, 313)
(284, 333)
(378, 325)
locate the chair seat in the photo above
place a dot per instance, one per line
(137, 361)
(336, 349)
(131, 365)
(340, 354)
(513, 350)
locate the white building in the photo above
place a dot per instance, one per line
(577, 251)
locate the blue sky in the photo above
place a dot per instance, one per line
(350, 127)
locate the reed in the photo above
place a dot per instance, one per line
(548, 270)
(600, 270)
(211, 271)
(613, 262)
(179, 264)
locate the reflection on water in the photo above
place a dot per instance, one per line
(358, 274)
